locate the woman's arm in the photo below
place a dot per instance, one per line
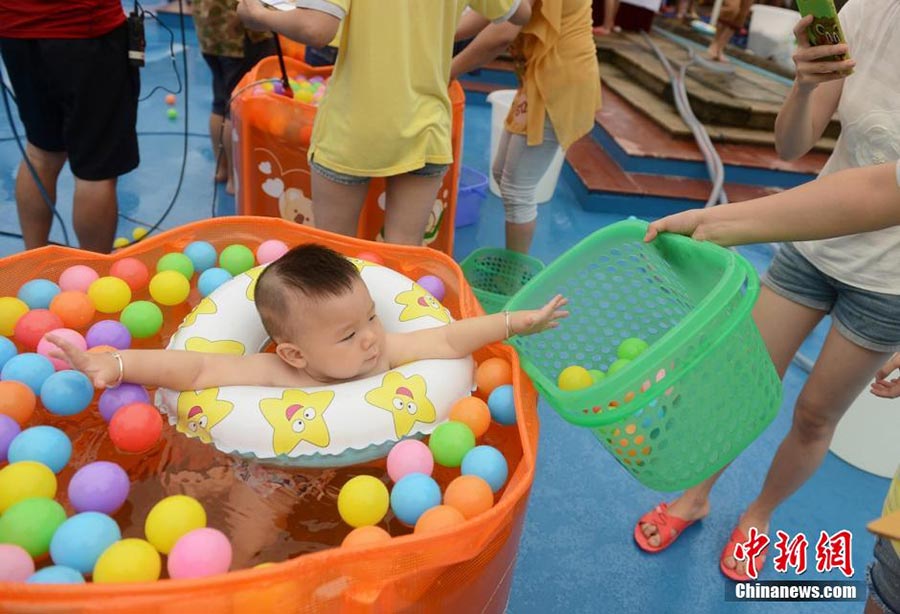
(308, 26)
(490, 42)
(470, 24)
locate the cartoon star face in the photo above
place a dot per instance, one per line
(199, 344)
(406, 399)
(199, 412)
(253, 274)
(418, 303)
(360, 264)
(204, 307)
(297, 416)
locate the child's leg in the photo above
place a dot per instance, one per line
(216, 136)
(409, 201)
(337, 200)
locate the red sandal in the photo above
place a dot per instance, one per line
(668, 527)
(739, 537)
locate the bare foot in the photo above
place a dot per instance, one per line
(749, 519)
(221, 175)
(601, 31)
(229, 187)
(680, 508)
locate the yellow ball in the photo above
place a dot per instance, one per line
(11, 309)
(120, 242)
(25, 480)
(169, 288)
(139, 233)
(363, 501)
(575, 378)
(129, 560)
(263, 565)
(171, 518)
(109, 294)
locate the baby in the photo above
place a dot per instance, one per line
(318, 311)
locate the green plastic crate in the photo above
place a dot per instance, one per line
(496, 274)
(702, 392)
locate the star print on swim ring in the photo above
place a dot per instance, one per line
(321, 426)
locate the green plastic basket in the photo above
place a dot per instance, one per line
(702, 392)
(496, 274)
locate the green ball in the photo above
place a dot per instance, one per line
(632, 348)
(597, 374)
(31, 523)
(236, 259)
(617, 366)
(142, 319)
(450, 442)
(172, 113)
(176, 262)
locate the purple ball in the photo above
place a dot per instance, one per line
(108, 332)
(9, 428)
(433, 285)
(120, 396)
(99, 487)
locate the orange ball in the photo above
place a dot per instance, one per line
(469, 494)
(132, 271)
(492, 373)
(17, 401)
(102, 349)
(438, 518)
(474, 413)
(364, 536)
(74, 308)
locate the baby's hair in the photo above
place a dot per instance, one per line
(313, 270)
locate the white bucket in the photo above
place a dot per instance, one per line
(771, 33)
(500, 101)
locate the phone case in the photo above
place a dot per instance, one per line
(826, 27)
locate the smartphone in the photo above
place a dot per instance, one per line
(825, 28)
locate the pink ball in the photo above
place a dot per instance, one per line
(15, 563)
(78, 278)
(409, 456)
(72, 336)
(270, 251)
(200, 553)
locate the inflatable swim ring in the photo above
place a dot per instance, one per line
(323, 426)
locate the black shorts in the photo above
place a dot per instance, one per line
(78, 96)
(228, 72)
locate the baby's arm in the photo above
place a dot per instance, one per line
(315, 27)
(463, 337)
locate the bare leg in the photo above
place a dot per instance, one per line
(336, 207)
(216, 123)
(228, 156)
(35, 216)
(409, 200)
(96, 214)
(716, 49)
(520, 236)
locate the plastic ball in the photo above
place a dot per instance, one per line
(11, 309)
(132, 271)
(409, 456)
(202, 255)
(371, 257)
(574, 378)
(32, 326)
(362, 501)
(597, 375)
(120, 242)
(438, 518)
(17, 401)
(632, 348)
(77, 278)
(67, 393)
(9, 430)
(433, 285)
(488, 463)
(31, 524)
(38, 293)
(74, 308)
(129, 560)
(169, 288)
(29, 369)
(16, 565)
(172, 114)
(617, 366)
(25, 480)
(236, 259)
(101, 349)
(469, 494)
(474, 413)
(100, 486)
(200, 553)
(449, 443)
(139, 233)
(502, 404)
(56, 574)
(365, 536)
(210, 279)
(7, 350)
(170, 99)
(172, 518)
(491, 374)
(45, 346)
(80, 540)
(135, 428)
(109, 294)
(413, 495)
(143, 319)
(124, 394)
(109, 332)
(270, 251)
(180, 263)
(42, 444)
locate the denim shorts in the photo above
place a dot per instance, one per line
(869, 319)
(883, 577)
(429, 170)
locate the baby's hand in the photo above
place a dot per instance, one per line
(102, 369)
(537, 320)
(882, 387)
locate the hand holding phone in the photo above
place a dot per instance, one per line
(817, 64)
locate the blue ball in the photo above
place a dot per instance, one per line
(413, 495)
(44, 444)
(7, 350)
(488, 463)
(211, 279)
(502, 404)
(31, 369)
(66, 393)
(38, 293)
(56, 574)
(202, 254)
(80, 540)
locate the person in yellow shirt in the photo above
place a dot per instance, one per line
(558, 96)
(387, 112)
